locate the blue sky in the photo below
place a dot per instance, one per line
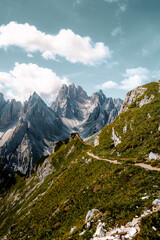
(109, 44)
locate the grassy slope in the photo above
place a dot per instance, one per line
(142, 135)
(71, 191)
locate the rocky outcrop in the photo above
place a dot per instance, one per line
(129, 231)
(153, 156)
(115, 138)
(131, 97)
(45, 169)
(146, 100)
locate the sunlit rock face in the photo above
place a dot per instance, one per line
(37, 129)
(85, 114)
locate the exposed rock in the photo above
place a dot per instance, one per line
(91, 215)
(115, 138)
(129, 231)
(70, 150)
(45, 169)
(131, 97)
(156, 202)
(146, 100)
(154, 156)
(100, 231)
(145, 197)
(9, 112)
(82, 233)
(125, 129)
(96, 141)
(88, 160)
(72, 229)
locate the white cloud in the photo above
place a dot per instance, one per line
(107, 85)
(24, 79)
(135, 77)
(116, 31)
(66, 43)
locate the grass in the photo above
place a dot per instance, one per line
(142, 135)
(76, 188)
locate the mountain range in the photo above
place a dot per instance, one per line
(29, 131)
(84, 114)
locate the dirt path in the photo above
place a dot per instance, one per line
(146, 166)
(107, 160)
(143, 165)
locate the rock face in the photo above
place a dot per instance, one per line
(45, 169)
(70, 102)
(9, 112)
(131, 96)
(85, 114)
(37, 129)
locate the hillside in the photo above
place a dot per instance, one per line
(135, 134)
(85, 192)
(54, 201)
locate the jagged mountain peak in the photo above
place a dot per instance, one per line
(72, 92)
(83, 113)
(98, 97)
(1, 96)
(100, 92)
(34, 102)
(34, 97)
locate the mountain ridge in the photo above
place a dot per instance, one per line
(73, 103)
(29, 131)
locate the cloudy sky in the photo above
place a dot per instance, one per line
(113, 45)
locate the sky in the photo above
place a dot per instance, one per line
(113, 45)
